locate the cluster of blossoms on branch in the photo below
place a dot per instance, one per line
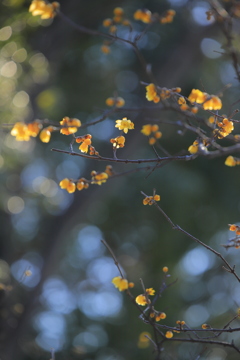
(143, 15)
(115, 101)
(97, 178)
(147, 17)
(45, 10)
(155, 93)
(123, 284)
(234, 242)
(152, 130)
(150, 200)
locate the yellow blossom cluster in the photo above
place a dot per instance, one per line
(85, 141)
(157, 315)
(71, 185)
(23, 132)
(155, 93)
(98, 178)
(209, 102)
(142, 299)
(180, 322)
(118, 142)
(147, 17)
(111, 23)
(43, 8)
(167, 17)
(124, 125)
(45, 134)
(232, 161)
(122, 284)
(184, 107)
(149, 200)
(152, 94)
(144, 15)
(169, 334)
(151, 129)
(225, 128)
(115, 101)
(70, 126)
(236, 228)
(235, 242)
(82, 183)
(118, 18)
(68, 185)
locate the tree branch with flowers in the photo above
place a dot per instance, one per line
(197, 113)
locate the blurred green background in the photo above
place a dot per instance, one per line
(48, 71)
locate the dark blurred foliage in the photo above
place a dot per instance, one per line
(49, 70)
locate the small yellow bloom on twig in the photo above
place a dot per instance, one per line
(124, 125)
(44, 9)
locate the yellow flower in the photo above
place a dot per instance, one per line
(118, 102)
(194, 109)
(226, 127)
(211, 120)
(150, 291)
(118, 142)
(233, 227)
(120, 283)
(107, 22)
(70, 125)
(168, 16)
(152, 141)
(181, 100)
(99, 178)
(110, 101)
(68, 185)
(143, 15)
(82, 184)
(124, 125)
(34, 128)
(45, 134)
(85, 142)
(197, 96)
(169, 334)
(149, 200)
(20, 130)
(165, 269)
(46, 11)
(230, 161)
(151, 94)
(105, 49)
(142, 300)
(206, 326)
(161, 316)
(193, 149)
(146, 129)
(214, 103)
